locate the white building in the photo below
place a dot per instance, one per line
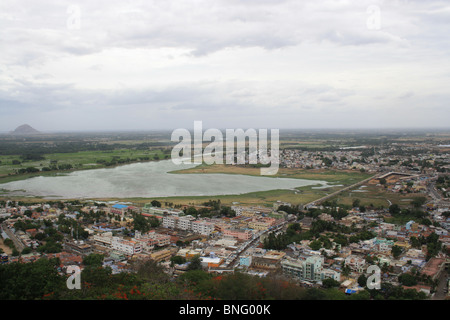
(103, 239)
(202, 227)
(355, 263)
(169, 222)
(176, 222)
(127, 247)
(185, 222)
(310, 269)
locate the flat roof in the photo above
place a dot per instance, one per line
(120, 206)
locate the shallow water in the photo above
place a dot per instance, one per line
(146, 180)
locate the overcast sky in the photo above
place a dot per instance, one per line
(107, 65)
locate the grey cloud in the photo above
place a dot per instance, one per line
(414, 34)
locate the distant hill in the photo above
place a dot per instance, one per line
(25, 129)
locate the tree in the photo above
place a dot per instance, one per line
(97, 276)
(30, 281)
(418, 202)
(345, 270)
(227, 212)
(330, 283)
(93, 259)
(26, 250)
(396, 251)
(433, 245)
(407, 279)
(154, 222)
(150, 271)
(295, 227)
(194, 277)
(315, 245)
(362, 280)
(28, 213)
(195, 263)
(177, 260)
(156, 203)
(192, 211)
(394, 209)
(140, 223)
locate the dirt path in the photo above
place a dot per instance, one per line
(5, 248)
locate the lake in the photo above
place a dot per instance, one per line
(147, 180)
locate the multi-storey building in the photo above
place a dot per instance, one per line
(262, 223)
(310, 269)
(127, 247)
(240, 234)
(151, 239)
(355, 263)
(176, 222)
(202, 227)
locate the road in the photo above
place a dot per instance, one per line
(343, 189)
(246, 246)
(440, 294)
(17, 243)
(436, 195)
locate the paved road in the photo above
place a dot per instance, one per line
(434, 193)
(440, 294)
(17, 243)
(235, 261)
(343, 189)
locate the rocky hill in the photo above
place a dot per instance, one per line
(25, 129)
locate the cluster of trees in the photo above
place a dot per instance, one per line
(115, 160)
(443, 183)
(391, 292)
(291, 210)
(144, 224)
(72, 227)
(44, 279)
(339, 234)
(332, 208)
(414, 213)
(52, 167)
(49, 235)
(282, 240)
(223, 211)
(434, 246)
(35, 148)
(41, 280)
(28, 170)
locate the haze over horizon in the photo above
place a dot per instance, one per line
(153, 65)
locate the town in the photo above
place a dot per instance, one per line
(319, 244)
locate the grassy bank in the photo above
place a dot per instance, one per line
(376, 196)
(83, 160)
(347, 177)
(301, 195)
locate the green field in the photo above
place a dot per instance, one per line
(79, 160)
(376, 196)
(299, 196)
(262, 198)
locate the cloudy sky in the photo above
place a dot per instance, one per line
(106, 65)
